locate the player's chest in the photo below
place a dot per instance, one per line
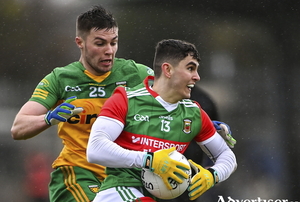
(178, 125)
(91, 89)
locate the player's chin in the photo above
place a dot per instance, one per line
(187, 95)
(104, 70)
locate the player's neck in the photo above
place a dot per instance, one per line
(162, 88)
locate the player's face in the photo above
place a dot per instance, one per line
(99, 50)
(184, 77)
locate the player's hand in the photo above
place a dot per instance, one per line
(224, 130)
(62, 112)
(161, 164)
(201, 181)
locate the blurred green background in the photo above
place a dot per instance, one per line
(250, 67)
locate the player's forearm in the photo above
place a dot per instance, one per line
(223, 157)
(107, 153)
(102, 149)
(27, 126)
(225, 165)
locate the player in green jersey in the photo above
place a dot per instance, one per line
(86, 83)
(139, 127)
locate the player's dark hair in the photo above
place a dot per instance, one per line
(95, 18)
(172, 51)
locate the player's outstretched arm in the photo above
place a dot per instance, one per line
(33, 118)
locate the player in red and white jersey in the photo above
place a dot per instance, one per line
(139, 127)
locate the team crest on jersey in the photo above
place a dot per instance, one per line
(121, 83)
(94, 188)
(187, 123)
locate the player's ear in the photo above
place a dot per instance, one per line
(79, 42)
(166, 69)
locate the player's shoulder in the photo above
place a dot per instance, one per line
(131, 65)
(137, 91)
(69, 69)
(189, 103)
(120, 62)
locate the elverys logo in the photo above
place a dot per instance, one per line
(87, 116)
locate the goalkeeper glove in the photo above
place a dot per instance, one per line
(164, 166)
(224, 130)
(62, 112)
(203, 180)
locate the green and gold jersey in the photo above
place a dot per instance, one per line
(91, 91)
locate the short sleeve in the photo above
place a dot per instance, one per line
(46, 91)
(207, 129)
(116, 106)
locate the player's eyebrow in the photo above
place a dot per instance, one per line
(99, 38)
(192, 63)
